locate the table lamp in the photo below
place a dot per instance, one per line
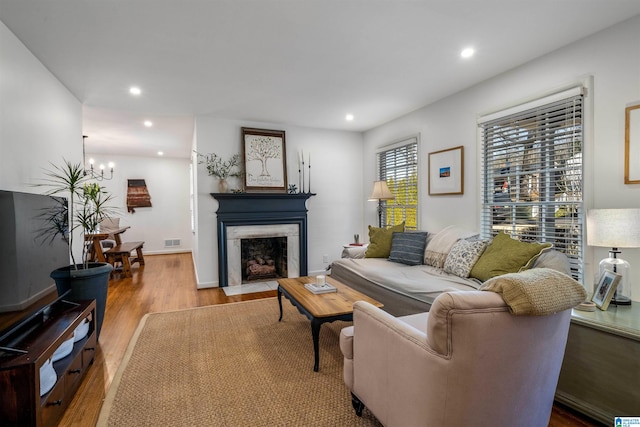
(615, 228)
(380, 192)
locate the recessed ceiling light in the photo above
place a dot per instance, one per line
(349, 117)
(148, 123)
(134, 90)
(160, 153)
(467, 52)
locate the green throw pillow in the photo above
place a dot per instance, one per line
(380, 241)
(506, 255)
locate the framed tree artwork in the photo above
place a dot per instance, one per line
(265, 161)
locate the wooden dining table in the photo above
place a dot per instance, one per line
(95, 252)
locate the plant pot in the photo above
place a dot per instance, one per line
(85, 284)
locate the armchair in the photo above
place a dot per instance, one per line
(468, 361)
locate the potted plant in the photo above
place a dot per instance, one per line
(221, 169)
(88, 204)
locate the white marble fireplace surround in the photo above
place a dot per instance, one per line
(236, 233)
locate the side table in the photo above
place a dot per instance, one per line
(600, 374)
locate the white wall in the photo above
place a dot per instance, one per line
(335, 213)
(167, 181)
(611, 57)
(40, 121)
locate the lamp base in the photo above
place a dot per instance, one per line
(620, 300)
(622, 295)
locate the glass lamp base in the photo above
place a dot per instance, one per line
(620, 300)
(619, 266)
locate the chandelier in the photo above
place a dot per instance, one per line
(97, 175)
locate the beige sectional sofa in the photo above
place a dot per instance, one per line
(411, 288)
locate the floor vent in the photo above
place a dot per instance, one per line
(171, 243)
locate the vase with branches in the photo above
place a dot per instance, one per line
(220, 168)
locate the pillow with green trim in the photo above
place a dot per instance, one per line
(380, 241)
(506, 255)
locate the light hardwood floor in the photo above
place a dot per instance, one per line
(167, 282)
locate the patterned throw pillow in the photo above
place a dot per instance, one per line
(408, 248)
(463, 256)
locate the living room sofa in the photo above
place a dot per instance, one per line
(407, 281)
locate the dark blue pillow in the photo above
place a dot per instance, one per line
(408, 248)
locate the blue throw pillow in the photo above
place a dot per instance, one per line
(408, 248)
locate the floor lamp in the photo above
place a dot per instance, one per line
(380, 192)
(615, 228)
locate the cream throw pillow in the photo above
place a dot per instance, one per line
(439, 246)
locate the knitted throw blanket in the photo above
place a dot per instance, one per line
(538, 292)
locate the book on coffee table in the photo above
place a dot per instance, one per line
(312, 287)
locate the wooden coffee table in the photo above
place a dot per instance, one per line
(321, 308)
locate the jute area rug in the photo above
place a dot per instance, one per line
(231, 365)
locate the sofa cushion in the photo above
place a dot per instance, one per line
(439, 246)
(537, 292)
(463, 256)
(506, 255)
(553, 259)
(380, 241)
(408, 248)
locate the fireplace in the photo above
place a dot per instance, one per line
(275, 221)
(236, 236)
(263, 258)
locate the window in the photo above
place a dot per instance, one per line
(532, 174)
(398, 166)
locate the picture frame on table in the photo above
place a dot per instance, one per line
(446, 172)
(265, 160)
(605, 288)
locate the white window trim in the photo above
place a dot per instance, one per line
(583, 86)
(399, 143)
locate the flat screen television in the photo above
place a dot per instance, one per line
(27, 257)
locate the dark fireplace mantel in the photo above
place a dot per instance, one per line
(236, 209)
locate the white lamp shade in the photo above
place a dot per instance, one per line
(380, 192)
(613, 228)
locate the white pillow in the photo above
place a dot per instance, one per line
(439, 245)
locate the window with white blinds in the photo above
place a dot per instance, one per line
(398, 166)
(532, 176)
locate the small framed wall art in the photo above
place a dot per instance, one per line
(265, 161)
(632, 145)
(605, 289)
(446, 172)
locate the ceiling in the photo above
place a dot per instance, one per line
(288, 62)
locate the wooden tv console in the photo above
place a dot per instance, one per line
(28, 347)
(600, 374)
